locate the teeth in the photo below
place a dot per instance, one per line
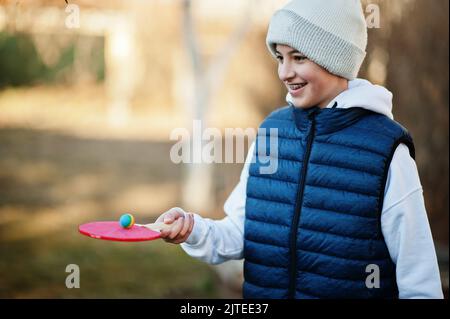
(296, 86)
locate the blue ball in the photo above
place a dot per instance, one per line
(126, 221)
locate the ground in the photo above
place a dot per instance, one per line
(50, 182)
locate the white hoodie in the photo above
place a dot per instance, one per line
(404, 219)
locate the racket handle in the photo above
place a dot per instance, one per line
(156, 226)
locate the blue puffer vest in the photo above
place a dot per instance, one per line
(313, 227)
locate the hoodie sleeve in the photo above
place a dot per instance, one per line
(407, 232)
(216, 241)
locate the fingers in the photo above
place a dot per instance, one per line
(176, 228)
(181, 225)
(187, 230)
(173, 217)
(180, 229)
(186, 225)
(191, 226)
(173, 214)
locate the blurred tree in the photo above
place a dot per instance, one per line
(23, 59)
(418, 74)
(198, 187)
(409, 55)
(14, 48)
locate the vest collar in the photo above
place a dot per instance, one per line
(327, 120)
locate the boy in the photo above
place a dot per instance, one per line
(343, 216)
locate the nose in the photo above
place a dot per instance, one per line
(285, 71)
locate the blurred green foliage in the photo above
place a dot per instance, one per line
(21, 64)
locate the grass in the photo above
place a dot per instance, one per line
(51, 182)
(154, 269)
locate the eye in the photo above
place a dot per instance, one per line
(279, 58)
(299, 58)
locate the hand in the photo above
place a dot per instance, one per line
(181, 225)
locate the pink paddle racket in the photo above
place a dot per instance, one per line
(113, 230)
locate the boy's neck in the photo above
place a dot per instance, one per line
(340, 87)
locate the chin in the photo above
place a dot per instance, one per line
(302, 105)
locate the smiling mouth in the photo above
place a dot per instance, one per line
(296, 88)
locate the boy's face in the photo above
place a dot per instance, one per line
(308, 83)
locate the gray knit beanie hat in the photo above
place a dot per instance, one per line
(331, 33)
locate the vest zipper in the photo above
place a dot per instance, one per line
(298, 207)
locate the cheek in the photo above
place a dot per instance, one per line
(311, 77)
(317, 83)
(316, 87)
(311, 73)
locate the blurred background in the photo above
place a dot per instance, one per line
(90, 92)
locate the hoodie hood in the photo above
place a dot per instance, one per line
(362, 93)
